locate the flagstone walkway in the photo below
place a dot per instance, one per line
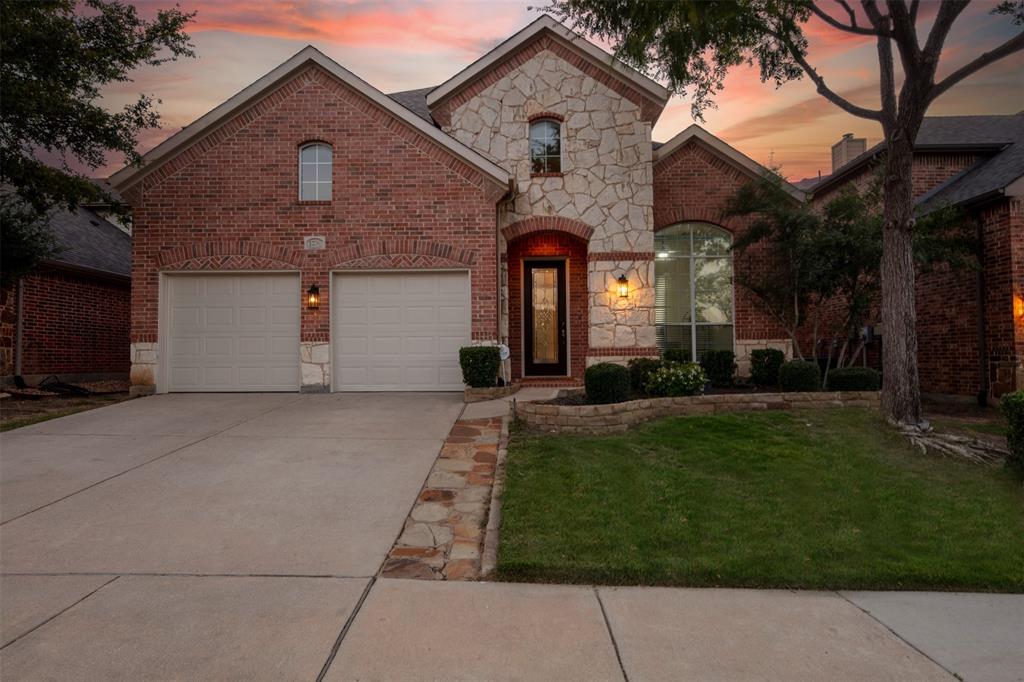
(443, 536)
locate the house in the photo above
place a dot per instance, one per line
(313, 233)
(70, 316)
(970, 323)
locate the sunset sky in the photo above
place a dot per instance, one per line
(403, 44)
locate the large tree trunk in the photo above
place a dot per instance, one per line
(901, 394)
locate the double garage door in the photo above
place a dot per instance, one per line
(391, 331)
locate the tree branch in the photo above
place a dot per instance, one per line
(904, 32)
(823, 89)
(1012, 45)
(887, 79)
(949, 10)
(835, 23)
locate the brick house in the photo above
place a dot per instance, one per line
(315, 234)
(70, 316)
(970, 323)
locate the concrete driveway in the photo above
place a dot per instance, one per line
(238, 531)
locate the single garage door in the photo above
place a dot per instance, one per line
(396, 331)
(232, 332)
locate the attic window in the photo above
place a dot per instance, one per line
(315, 172)
(545, 146)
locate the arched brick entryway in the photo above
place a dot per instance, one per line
(556, 245)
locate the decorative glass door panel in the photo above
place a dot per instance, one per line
(545, 335)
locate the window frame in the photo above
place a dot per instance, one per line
(317, 164)
(546, 171)
(692, 258)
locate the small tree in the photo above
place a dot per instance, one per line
(694, 43)
(55, 58)
(821, 266)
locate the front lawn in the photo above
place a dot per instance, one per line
(822, 499)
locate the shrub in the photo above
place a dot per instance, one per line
(854, 379)
(639, 370)
(676, 378)
(479, 365)
(1013, 408)
(606, 383)
(764, 366)
(676, 355)
(800, 375)
(719, 366)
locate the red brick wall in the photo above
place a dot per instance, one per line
(695, 184)
(556, 244)
(71, 324)
(8, 321)
(947, 302)
(928, 172)
(231, 202)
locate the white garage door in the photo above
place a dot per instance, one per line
(232, 332)
(397, 331)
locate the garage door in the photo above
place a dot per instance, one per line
(400, 331)
(232, 332)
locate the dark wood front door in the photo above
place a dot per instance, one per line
(545, 337)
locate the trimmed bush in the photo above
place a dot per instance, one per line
(639, 370)
(1013, 407)
(800, 375)
(854, 379)
(764, 366)
(675, 355)
(479, 365)
(719, 366)
(676, 378)
(606, 382)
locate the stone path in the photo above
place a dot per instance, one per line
(443, 536)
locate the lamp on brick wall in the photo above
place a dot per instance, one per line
(623, 286)
(313, 297)
(1018, 307)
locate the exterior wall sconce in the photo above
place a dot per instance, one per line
(623, 286)
(313, 297)
(1018, 307)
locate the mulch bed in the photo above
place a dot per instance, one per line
(580, 398)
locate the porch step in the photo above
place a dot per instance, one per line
(544, 382)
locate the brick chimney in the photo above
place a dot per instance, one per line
(847, 149)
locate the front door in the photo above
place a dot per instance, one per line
(545, 335)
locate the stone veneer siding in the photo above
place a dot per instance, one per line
(621, 416)
(72, 323)
(230, 202)
(605, 185)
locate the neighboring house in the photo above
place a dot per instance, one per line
(315, 234)
(70, 316)
(970, 322)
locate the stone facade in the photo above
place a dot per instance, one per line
(144, 368)
(605, 184)
(315, 366)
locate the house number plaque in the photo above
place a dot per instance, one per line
(315, 243)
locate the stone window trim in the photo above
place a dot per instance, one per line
(547, 175)
(317, 166)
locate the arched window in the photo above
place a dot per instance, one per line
(545, 146)
(693, 288)
(315, 172)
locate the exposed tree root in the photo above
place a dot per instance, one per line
(951, 445)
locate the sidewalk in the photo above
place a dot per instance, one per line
(415, 630)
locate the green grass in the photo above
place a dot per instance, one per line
(994, 427)
(824, 499)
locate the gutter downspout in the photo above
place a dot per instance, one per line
(983, 386)
(19, 325)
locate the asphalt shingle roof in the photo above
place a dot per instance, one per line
(415, 101)
(999, 138)
(87, 240)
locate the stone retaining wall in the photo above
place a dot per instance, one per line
(476, 395)
(620, 416)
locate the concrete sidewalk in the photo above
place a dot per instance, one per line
(415, 630)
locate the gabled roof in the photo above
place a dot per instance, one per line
(89, 241)
(738, 158)
(573, 40)
(207, 123)
(998, 139)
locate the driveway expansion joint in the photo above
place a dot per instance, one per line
(58, 614)
(611, 634)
